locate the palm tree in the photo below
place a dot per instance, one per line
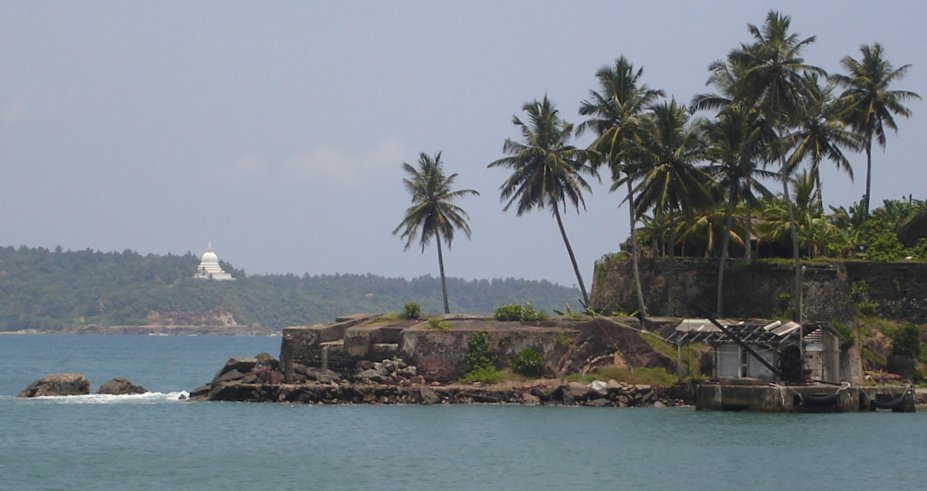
(546, 170)
(662, 164)
(821, 134)
(868, 103)
(735, 142)
(615, 116)
(433, 213)
(774, 79)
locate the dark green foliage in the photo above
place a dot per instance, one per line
(847, 336)
(438, 324)
(859, 298)
(508, 312)
(528, 363)
(478, 356)
(485, 375)
(45, 289)
(908, 342)
(411, 310)
(515, 312)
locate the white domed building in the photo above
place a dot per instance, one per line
(209, 268)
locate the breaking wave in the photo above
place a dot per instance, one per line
(146, 398)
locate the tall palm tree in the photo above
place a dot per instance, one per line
(433, 213)
(734, 143)
(774, 79)
(821, 134)
(869, 104)
(614, 113)
(663, 167)
(546, 170)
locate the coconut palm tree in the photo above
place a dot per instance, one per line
(546, 170)
(614, 114)
(433, 213)
(774, 79)
(734, 144)
(821, 134)
(662, 166)
(869, 104)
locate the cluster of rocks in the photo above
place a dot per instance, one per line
(76, 384)
(393, 381)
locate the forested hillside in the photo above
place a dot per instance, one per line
(45, 289)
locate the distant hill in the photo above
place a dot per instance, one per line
(55, 289)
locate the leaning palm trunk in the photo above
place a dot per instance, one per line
(566, 241)
(725, 244)
(635, 254)
(868, 174)
(447, 309)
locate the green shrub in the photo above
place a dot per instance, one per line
(528, 363)
(563, 340)
(478, 356)
(859, 298)
(515, 312)
(508, 312)
(412, 310)
(438, 324)
(908, 342)
(486, 375)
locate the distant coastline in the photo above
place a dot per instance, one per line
(154, 331)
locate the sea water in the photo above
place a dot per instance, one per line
(155, 441)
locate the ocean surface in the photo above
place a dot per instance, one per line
(156, 442)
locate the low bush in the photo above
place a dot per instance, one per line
(478, 356)
(515, 312)
(528, 363)
(485, 375)
(412, 310)
(438, 324)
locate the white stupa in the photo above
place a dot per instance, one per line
(209, 268)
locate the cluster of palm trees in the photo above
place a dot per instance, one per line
(772, 117)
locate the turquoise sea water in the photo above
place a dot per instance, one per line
(156, 442)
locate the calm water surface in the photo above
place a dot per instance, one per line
(155, 442)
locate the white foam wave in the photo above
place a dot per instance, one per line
(146, 398)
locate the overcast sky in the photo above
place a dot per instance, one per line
(276, 130)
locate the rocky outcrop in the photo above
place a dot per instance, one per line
(392, 381)
(120, 387)
(58, 384)
(261, 369)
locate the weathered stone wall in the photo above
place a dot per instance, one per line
(440, 354)
(762, 289)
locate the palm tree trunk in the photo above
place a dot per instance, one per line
(566, 241)
(671, 277)
(447, 309)
(635, 253)
(748, 233)
(868, 175)
(725, 244)
(796, 252)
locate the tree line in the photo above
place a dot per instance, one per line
(695, 175)
(57, 289)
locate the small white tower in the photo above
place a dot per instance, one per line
(209, 268)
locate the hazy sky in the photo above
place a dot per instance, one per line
(276, 130)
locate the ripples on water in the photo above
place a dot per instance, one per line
(156, 442)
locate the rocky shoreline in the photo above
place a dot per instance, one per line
(392, 381)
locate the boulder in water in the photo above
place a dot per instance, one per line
(119, 387)
(58, 384)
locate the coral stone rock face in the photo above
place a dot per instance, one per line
(58, 384)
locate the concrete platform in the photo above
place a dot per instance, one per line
(815, 398)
